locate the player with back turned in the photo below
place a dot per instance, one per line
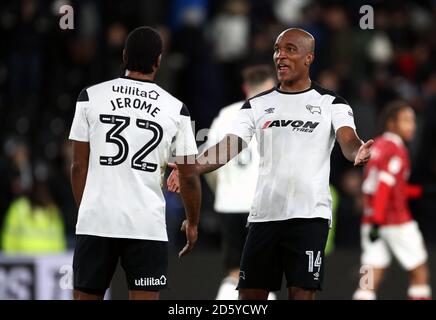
(124, 131)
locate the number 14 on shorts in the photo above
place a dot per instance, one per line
(314, 263)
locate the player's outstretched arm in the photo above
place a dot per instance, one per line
(352, 147)
(221, 153)
(190, 190)
(79, 169)
(213, 158)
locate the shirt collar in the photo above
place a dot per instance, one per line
(296, 92)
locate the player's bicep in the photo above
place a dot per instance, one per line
(80, 150)
(347, 135)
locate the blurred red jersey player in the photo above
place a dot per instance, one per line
(387, 225)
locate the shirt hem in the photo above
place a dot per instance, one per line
(288, 218)
(345, 125)
(78, 139)
(110, 235)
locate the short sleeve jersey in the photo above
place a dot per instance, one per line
(296, 134)
(132, 127)
(389, 164)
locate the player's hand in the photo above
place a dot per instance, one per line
(173, 182)
(191, 237)
(364, 153)
(374, 233)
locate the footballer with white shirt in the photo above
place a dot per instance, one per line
(234, 184)
(296, 125)
(124, 131)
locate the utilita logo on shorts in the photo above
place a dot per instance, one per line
(150, 281)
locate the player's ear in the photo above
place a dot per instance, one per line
(309, 58)
(124, 57)
(390, 125)
(245, 89)
(157, 63)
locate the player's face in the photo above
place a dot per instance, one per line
(406, 124)
(290, 57)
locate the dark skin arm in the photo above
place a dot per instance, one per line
(190, 190)
(213, 158)
(221, 153)
(79, 169)
(352, 147)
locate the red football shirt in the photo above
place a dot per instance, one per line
(385, 184)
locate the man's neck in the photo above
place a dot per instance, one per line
(140, 76)
(296, 86)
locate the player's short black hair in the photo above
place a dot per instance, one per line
(390, 112)
(256, 74)
(142, 49)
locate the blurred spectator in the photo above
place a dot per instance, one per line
(229, 35)
(350, 208)
(26, 28)
(171, 64)
(190, 13)
(59, 182)
(230, 31)
(115, 37)
(365, 110)
(19, 173)
(33, 224)
(289, 12)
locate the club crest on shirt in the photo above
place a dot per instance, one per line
(313, 109)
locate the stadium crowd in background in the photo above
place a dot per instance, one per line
(207, 43)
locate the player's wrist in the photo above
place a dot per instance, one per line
(192, 224)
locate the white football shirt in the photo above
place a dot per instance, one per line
(236, 181)
(133, 127)
(295, 134)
